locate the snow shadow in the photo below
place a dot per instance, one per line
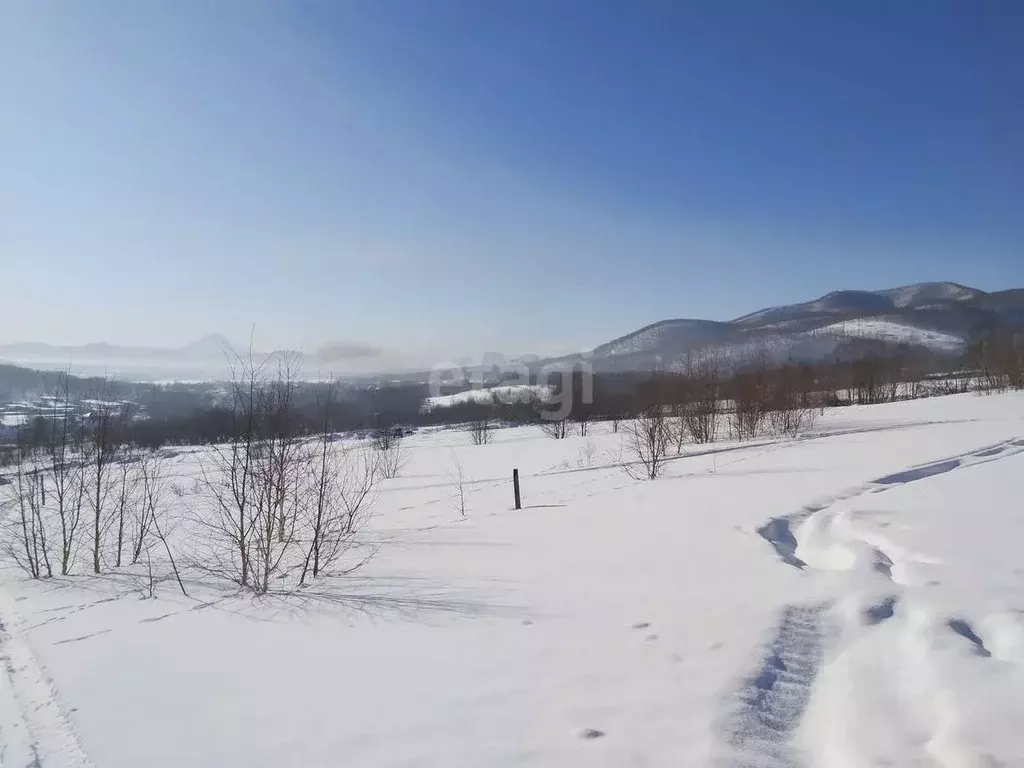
(919, 473)
(881, 611)
(777, 533)
(966, 631)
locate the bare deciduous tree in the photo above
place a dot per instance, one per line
(751, 395)
(229, 478)
(150, 485)
(648, 438)
(126, 482)
(704, 407)
(66, 470)
(458, 496)
(345, 483)
(342, 486)
(791, 412)
(27, 542)
(150, 520)
(100, 451)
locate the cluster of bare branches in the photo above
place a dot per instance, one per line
(392, 456)
(458, 496)
(27, 541)
(750, 403)
(648, 439)
(999, 361)
(695, 398)
(277, 499)
(481, 430)
(341, 488)
(84, 472)
(556, 428)
(650, 434)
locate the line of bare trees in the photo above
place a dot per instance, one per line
(702, 403)
(999, 362)
(83, 489)
(276, 499)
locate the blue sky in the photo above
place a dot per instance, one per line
(438, 177)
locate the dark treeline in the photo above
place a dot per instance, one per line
(17, 382)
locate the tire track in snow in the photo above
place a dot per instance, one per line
(778, 531)
(35, 729)
(770, 704)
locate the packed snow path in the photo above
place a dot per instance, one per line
(763, 726)
(35, 731)
(772, 701)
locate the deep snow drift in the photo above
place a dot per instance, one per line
(854, 597)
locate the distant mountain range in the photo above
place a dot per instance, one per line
(209, 357)
(941, 317)
(210, 347)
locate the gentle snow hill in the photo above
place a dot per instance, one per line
(853, 597)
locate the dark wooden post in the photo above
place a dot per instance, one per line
(515, 487)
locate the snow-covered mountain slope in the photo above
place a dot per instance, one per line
(921, 294)
(942, 317)
(885, 329)
(663, 335)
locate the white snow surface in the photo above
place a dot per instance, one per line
(895, 332)
(852, 597)
(507, 394)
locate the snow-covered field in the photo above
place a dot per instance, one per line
(854, 597)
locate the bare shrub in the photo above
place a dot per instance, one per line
(344, 484)
(678, 393)
(648, 438)
(26, 535)
(386, 437)
(705, 404)
(480, 430)
(557, 429)
(458, 495)
(751, 394)
(151, 523)
(392, 456)
(585, 455)
(792, 410)
(750, 405)
(954, 383)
